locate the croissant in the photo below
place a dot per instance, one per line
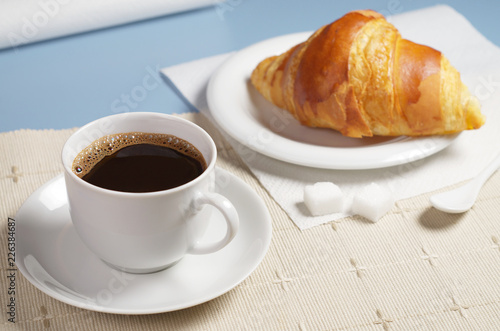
(358, 76)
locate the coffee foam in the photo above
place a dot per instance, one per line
(107, 145)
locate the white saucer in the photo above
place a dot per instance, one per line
(256, 123)
(51, 256)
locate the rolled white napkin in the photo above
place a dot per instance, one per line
(474, 56)
(27, 21)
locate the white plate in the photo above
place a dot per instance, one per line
(253, 121)
(51, 256)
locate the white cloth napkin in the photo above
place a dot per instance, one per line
(441, 27)
(27, 21)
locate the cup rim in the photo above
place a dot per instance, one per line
(206, 172)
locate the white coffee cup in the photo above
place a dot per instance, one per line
(146, 232)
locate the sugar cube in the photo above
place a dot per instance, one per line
(373, 202)
(323, 198)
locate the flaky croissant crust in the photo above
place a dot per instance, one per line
(358, 76)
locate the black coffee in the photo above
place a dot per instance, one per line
(139, 162)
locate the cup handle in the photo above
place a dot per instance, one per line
(227, 210)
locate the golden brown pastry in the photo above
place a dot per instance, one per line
(358, 76)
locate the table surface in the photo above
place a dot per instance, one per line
(69, 81)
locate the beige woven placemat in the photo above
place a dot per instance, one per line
(416, 269)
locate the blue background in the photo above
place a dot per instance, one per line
(69, 81)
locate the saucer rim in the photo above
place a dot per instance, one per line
(266, 221)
